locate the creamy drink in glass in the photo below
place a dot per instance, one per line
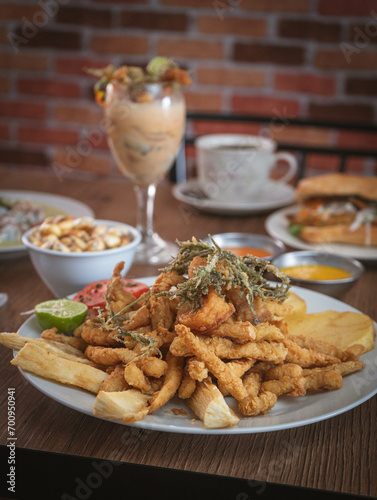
(145, 120)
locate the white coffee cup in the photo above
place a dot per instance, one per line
(237, 167)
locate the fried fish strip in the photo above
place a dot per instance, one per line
(94, 334)
(153, 367)
(34, 358)
(116, 293)
(261, 313)
(225, 348)
(307, 357)
(188, 385)
(298, 386)
(209, 404)
(135, 377)
(266, 331)
(171, 383)
(214, 364)
(257, 405)
(115, 382)
(238, 330)
(197, 369)
(353, 352)
(316, 344)
(214, 311)
(163, 309)
(285, 370)
(52, 334)
(108, 356)
(137, 319)
(344, 368)
(239, 367)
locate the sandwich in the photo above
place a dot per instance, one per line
(336, 208)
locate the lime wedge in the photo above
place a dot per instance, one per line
(63, 314)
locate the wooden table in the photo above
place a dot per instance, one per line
(337, 455)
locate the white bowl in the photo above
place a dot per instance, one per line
(65, 273)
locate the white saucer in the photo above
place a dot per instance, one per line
(275, 195)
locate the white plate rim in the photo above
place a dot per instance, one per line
(333, 401)
(287, 193)
(70, 206)
(276, 226)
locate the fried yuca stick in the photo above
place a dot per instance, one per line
(130, 405)
(34, 358)
(225, 348)
(171, 383)
(209, 404)
(221, 371)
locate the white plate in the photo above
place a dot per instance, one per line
(67, 206)
(275, 195)
(289, 412)
(277, 226)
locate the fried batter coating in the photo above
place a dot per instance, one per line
(76, 342)
(237, 330)
(197, 369)
(261, 314)
(153, 367)
(353, 352)
(135, 377)
(298, 386)
(214, 311)
(171, 383)
(344, 368)
(188, 385)
(115, 382)
(94, 334)
(317, 344)
(266, 331)
(225, 348)
(116, 293)
(257, 405)
(163, 309)
(286, 370)
(239, 367)
(137, 319)
(108, 356)
(307, 357)
(214, 364)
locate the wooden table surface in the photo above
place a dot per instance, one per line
(338, 454)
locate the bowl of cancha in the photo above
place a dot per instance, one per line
(68, 252)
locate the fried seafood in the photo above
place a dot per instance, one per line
(211, 326)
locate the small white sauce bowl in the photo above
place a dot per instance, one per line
(68, 272)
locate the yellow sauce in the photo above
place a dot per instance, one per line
(316, 272)
(242, 251)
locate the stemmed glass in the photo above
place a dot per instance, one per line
(144, 132)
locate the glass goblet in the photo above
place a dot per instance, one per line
(145, 128)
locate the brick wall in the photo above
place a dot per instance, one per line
(313, 59)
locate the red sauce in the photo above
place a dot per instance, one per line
(242, 251)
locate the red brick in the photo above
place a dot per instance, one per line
(222, 127)
(4, 84)
(230, 76)
(361, 86)
(22, 61)
(268, 53)
(96, 18)
(345, 58)
(293, 134)
(346, 7)
(47, 135)
(4, 132)
(23, 109)
(309, 30)
(232, 26)
(14, 11)
(78, 114)
(278, 109)
(22, 156)
(341, 112)
(119, 44)
(364, 34)
(201, 101)
(330, 163)
(93, 163)
(357, 140)
(197, 49)
(306, 83)
(154, 20)
(276, 5)
(77, 65)
(48, 87)
(51, 39)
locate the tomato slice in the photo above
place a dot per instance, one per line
(93, 295)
